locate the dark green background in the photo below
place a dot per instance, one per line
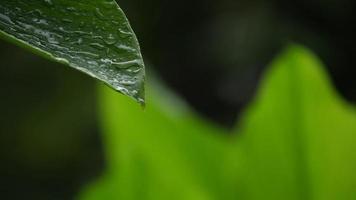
(210, 52)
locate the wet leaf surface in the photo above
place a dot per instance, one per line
(91, 36)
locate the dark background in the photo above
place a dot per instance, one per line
(212, 53)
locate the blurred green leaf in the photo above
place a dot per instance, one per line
(91, 36)
(296, 141)
(158, 152)
(299, 136)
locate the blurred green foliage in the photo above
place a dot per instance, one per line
(295, 141)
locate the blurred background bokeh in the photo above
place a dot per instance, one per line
(212, 53)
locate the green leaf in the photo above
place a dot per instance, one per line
(295, 141)
(299, 136)
(91, 36)
(159, 152)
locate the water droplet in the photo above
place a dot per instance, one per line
(97, 46)
(72, 9)
(110, 39)
(124, 34)
(141, 101)
(35, 13)
(115, 22)
(109, 4)
(134, 92)
(6, 18)
(128, 83)
(40, 21)
(85, 53)
(125, 65)
(67, 20)
(99, 14)
(52, 40)
(134, 70)
(77, 42)
(91, 62)
(124, 48)
(81, 33)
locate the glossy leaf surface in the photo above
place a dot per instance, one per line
(91, 36)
